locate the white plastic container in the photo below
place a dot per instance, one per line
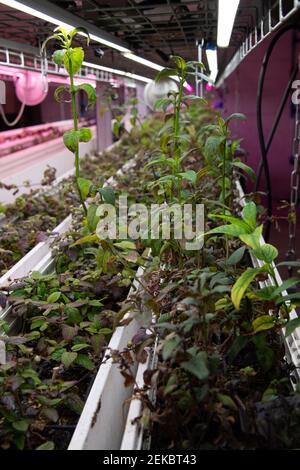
(133, 433)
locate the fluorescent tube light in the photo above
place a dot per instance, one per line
(142, 61)
(227, 13)
(212, 59)
(50, 19)
(133, 76)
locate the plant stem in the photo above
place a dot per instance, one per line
(177, 152)
(224, 191)
(223, 176)
(75, 120)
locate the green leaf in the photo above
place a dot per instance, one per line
(58, 92)
(291, 325)
(84, 186)
(165, 73)
(76, 57)
(49, 445)
(71, 140)
(179, 61)
(79, 347)
(232, 230)
(197, 366)
(189, 175)
(266, 253)
(21, 425)
(247, 169)
(162, 103)
(237, 256)
(54, 297)
(80, 30)
(85, 134)
(74, 315)
(58, 57)
(54, 36)
(92, 217)
(227, 401)
(85, 361)
(235, 116)
(253, 239)
(125, 245)
(62, 32)
(169, 346)
(68, 358)
(212, 146)
(242, 284)
(265, 322)
(108, 195)
(51, 414)
(293, 281)
(233, 221)
(193, 98)
(91, 93)
(249, 215)
(87, 239)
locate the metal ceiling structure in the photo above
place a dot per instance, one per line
(152, 29)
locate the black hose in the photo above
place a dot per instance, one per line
(264, 149)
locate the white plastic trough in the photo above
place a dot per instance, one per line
(133, 433)
(102, 422)
(103, 419)
(43, 249)
(34, 260)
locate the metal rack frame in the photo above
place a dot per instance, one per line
(30, 61)
(265, 27)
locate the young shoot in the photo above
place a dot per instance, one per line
(71, 58)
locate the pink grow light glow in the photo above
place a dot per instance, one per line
(29, 88)
(188, 87)
(209, 87)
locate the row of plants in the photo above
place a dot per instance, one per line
(32, 217)
(65, 317)
(220, 369)
(221, 379)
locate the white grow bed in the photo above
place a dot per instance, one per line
(133, 434)
(103, 419)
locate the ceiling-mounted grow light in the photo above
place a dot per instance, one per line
(133, 76)
(227, 14)
(142, 61)
(56, 21)
(212, 59)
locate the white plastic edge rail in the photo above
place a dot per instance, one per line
(102, 422)
(133, 434)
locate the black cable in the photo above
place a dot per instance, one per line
(264, 164)
(276, 122)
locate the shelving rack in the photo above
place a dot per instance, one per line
(12, 56)
(276, 16)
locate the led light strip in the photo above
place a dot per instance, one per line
(38, 14)
(133, 76)
(126, 52)
(142, 61)
(226, 17)
(212, 59)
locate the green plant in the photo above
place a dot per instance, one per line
(72, 58)
(171, 137)
(220, 152)
(246, 229)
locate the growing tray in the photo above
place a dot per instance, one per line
(134, 433)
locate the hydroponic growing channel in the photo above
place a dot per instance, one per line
(149, 272)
